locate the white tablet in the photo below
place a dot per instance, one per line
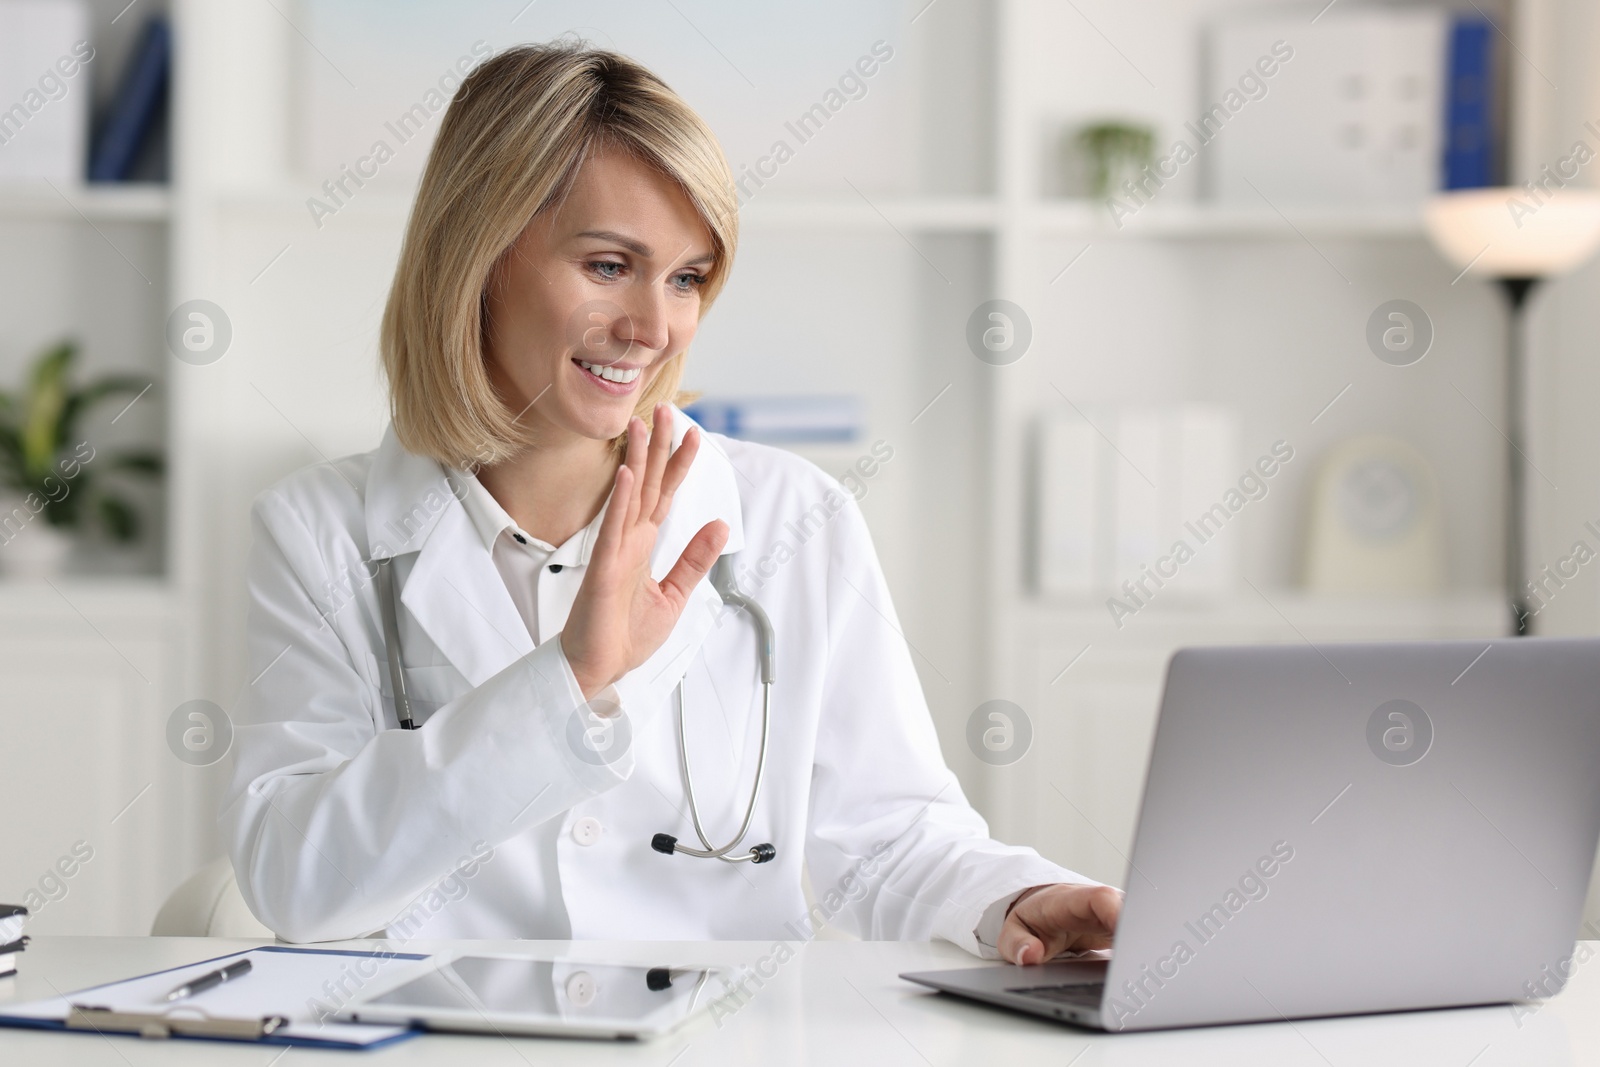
(503, 994)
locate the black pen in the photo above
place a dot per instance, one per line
(206, 981)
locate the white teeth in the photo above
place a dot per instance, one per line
(611, 374)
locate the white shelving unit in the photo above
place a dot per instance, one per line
(1247, 306)
(97, 658)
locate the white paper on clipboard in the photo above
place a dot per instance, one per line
(305, 986)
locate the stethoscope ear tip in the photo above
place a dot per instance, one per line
(763, 853)
(664, 843)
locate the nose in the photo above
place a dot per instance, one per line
(645, 324)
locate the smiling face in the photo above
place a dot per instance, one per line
(595, 297)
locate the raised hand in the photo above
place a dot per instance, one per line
(621, 614)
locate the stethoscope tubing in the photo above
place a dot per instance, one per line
(710, 851)
(723, 580)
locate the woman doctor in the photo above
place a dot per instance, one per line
(548, 519)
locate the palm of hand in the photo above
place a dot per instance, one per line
(622, 614)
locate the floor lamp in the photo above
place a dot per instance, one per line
(1518, 237)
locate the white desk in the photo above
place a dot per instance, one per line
(834, 1003)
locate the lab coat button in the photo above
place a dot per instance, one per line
(580, 989)
(586, 831)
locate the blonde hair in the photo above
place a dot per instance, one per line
(510, 147)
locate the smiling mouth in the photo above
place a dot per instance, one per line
(616, 375)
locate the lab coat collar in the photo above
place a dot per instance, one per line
(488, 517)
(493, 521)
(414, 504)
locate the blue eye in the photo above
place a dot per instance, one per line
(695, 280)
(605, 263)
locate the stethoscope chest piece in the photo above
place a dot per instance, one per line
(666, 843)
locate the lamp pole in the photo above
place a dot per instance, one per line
(1516, 292)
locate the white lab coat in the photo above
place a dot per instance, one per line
(488, 822)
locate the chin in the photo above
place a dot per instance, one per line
(603, 425)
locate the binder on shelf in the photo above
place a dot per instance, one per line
(1069, 505)
(1472, 153)
(1141, 489)
(132, 116)
(290, 997)
(781, 419)
(1117, 488)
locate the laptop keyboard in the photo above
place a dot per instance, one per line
(1083, 994)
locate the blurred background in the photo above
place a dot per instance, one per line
(1098, 277)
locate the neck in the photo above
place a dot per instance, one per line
(555, 488)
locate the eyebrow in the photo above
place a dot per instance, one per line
(638, 248)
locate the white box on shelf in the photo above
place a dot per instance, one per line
(1141, 491)
(1206, 463)
(1354, 115)
(1069, 507)
(1117, 488)
(44, 90)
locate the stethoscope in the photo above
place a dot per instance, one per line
(727, 587)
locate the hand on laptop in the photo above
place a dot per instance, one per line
(1048, 920)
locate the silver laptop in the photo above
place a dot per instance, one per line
(1343, 829)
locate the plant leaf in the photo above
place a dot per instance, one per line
(80, 400)
(47, 397)
(139, 462)
(12, 467)
(120, 520)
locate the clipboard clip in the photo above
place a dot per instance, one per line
(184, 1021)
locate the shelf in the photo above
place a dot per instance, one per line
(924, 213)
(93, 203)
(32, 601)
(1462, 613)
(951, 214)
(769, 212)
(388, 201)
(1090, 218)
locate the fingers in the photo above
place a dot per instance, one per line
(615, 522)
(634, 460)
(1017, 945)
(677, 468)
(660, 446)
(1024, 943)
(655, 472)
(1059, 918)
(1106, 904)
(698, 556)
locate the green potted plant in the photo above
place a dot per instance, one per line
(1115, 151)
(52, 479)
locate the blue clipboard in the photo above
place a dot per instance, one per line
(93, 1011)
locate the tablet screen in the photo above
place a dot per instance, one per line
(553, 989)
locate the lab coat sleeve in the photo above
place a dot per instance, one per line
(335, 826)
(895, 850)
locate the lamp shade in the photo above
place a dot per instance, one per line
(1508, 232)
